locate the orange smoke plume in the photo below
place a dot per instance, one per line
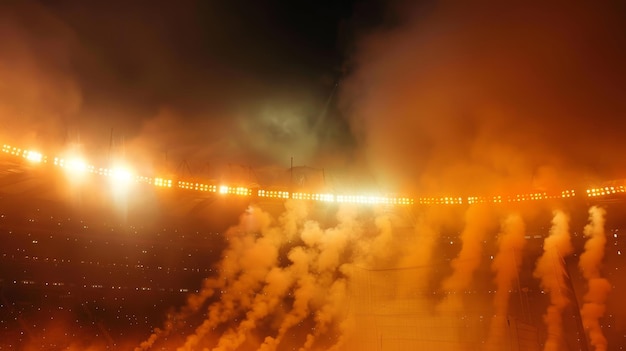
(594, 304)
(478, 223)
(506, 265)
(551, 273)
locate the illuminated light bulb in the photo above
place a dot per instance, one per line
(34, 156)
(76, 165)
(121, 174)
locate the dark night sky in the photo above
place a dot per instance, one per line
(224, 81)
(433, 96)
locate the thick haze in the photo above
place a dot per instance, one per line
(480, 96)
(433, 97)
(238, 82)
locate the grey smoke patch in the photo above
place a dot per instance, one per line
(506, 265)
(490, 98)
(213, 140)
(594, 305)
(550, 270)
(283, 129)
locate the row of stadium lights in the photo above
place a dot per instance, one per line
(607, 190)
(125, 175)
(521, 197)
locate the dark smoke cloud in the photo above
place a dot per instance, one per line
(161, 82)
(497, 95)
(482, 96)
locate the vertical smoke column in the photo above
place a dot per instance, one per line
(418, 252)
(598, 288)
(551, 272)
(478, 223)
(506, 265)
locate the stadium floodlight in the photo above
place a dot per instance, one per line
(33, 156)
(120, 180)
(121, 175)
(76, 166)
(167, 183)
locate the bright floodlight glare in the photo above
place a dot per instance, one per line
(121, 175)
(76, 165)
(34, 156)
(120, 179)
(75, 168)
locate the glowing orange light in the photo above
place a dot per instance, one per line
(33, 156)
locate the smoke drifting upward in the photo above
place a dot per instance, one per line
(551, 272)
(250, 257)
(191, 80)
(478, 222)
(39, 93)
(277, 276)
(594, 304)
(489, 96)
(483, 100)
(506, 265)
